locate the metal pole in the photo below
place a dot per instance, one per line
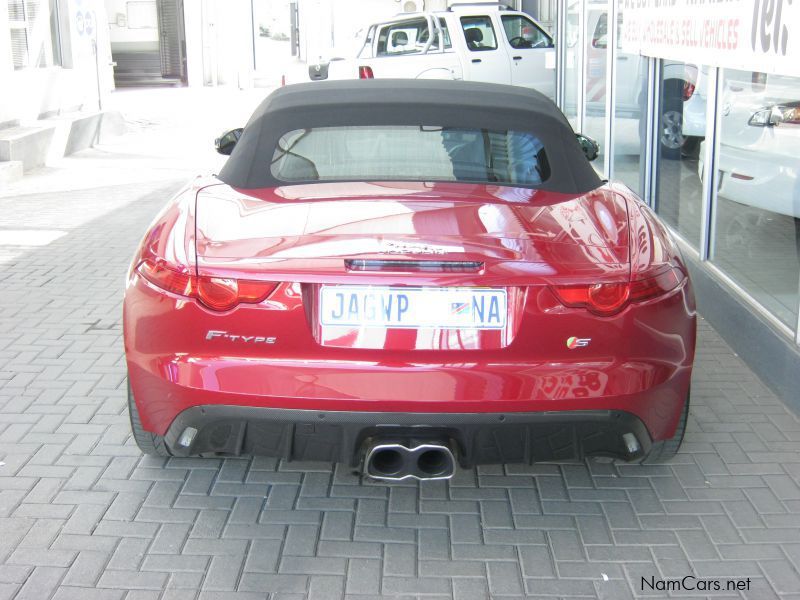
(580, 55)
(655, 69)
(710, 174)
(253, 32)
(611, 58)
(97, 71)
(561, 52)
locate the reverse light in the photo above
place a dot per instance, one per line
(216, 293)
(167, 277)
(606, 299)
(365, 72)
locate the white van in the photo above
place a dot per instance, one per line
(476, 42)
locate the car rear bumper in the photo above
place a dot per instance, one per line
(479, 438)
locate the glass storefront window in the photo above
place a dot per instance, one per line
(596, 40)
(571, 68)
(630, 113)
(757, 212)
(681, 127)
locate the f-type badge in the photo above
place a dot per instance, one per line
(247, 339)
(576, 342)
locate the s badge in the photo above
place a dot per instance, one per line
(576, 342)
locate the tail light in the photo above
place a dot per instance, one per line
(688, 90)
(365, 72)
(216, 293)
(780, 114)
(606, 299)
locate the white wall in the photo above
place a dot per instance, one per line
(130, 34)
(30, 93)
(193, 25)
(219, 43)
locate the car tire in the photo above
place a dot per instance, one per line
(149, 443)
(670, 127)
(664, 450)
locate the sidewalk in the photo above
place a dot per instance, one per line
(171, 136)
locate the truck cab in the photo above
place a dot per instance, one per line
(474, 42)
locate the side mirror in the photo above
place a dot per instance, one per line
(225, 143)
(590, 147)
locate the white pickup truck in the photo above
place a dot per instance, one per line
(475, 42)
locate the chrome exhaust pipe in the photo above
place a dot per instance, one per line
(435, 461)
(395, 461)
(387, 461)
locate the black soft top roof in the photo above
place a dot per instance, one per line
(408, 102)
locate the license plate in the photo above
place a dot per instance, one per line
(413, 308)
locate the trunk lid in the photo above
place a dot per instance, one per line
(312, 233)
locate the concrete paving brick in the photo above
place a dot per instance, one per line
(8, 590)
(254, 532)
(209, 524)
(363, 576)
(41, 558)
(400, 560)
(536, 561)
(514, 536)
(174, 563)
(82, 514)
(246, 510)
(41, 583)
(416, 585)
(350, 549)
(504, 579)
(83, 593)
(129, 553)
(223, 573)
(312, 565)
(322, 587)
(86, 569)
(566, 545)
(133, 580)
(483, 552)
(301, 540)
(263, 556)
(261, 582)
(337, 526)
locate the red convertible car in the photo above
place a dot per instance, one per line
(408, 276)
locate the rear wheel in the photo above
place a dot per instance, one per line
(666, 449)
(149, 443)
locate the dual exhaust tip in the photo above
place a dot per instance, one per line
(394, 461)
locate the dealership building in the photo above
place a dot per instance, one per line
(695, 105)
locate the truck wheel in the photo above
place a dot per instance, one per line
(670, 130)
(149, 443)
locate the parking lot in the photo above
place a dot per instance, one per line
(84, 515)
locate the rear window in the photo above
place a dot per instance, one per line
(405, 152)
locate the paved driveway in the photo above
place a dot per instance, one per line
(84, 515)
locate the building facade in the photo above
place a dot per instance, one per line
(54, 58)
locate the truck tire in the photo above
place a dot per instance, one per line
(670, 126)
